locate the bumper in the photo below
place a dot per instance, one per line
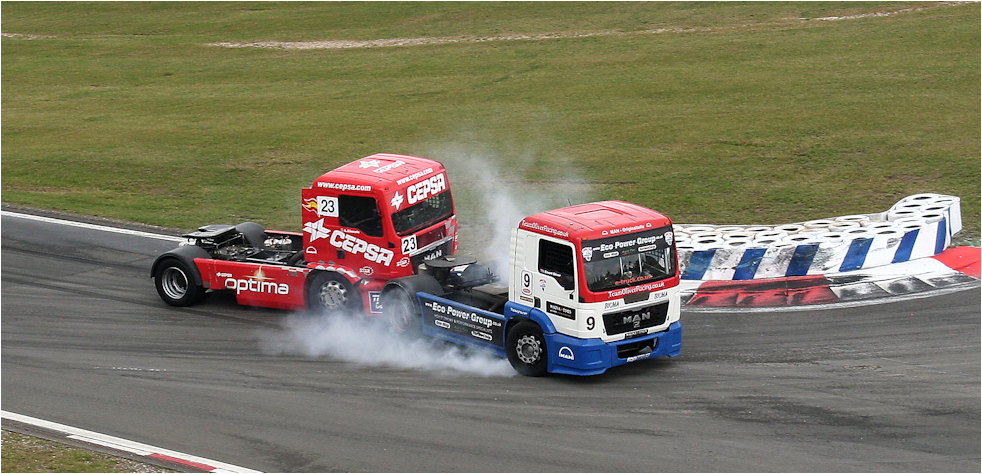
(569, 355)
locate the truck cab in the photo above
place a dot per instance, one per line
(590, 287)
(375, 219)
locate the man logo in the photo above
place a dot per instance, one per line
(566, 353)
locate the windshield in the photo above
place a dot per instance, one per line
(423, 214)
(630, 259)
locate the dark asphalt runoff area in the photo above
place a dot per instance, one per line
(87, 342)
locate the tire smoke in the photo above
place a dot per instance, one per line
(492, 196)
(369, 342)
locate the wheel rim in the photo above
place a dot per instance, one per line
(529, 349)
(174, 283)
(333, 295)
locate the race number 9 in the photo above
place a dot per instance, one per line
(526, 283)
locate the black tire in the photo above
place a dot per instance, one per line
(401, 312)
(526, 348)
(332, 294)
(175, 283)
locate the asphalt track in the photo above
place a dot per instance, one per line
(86, 342)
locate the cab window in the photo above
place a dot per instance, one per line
(556, 260)
(360, 212)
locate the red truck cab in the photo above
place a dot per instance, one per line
(377, 218)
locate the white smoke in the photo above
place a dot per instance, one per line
(368, 341)
(492, 195)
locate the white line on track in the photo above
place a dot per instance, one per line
(127, 446)
(84, 225)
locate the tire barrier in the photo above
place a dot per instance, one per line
(917, 226)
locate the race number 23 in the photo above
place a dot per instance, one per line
(327, 206)
(409, 245)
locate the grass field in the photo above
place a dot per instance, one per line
(22, 453)
(720, 113)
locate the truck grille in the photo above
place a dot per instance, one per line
(428, 238)
(441, 250)
(626, 321)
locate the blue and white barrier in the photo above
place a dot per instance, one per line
(917, 226)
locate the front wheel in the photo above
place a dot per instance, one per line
(332, 294)
(175, 283)
(526, 348)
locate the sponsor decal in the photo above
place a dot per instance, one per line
(404, 262)
(414, 176)
(366, 270)
(560, 310)
(344, 186)
(396, 201)
(316, 230)
(368, 164)
(631, 334)
(309, 204)
(611, 304)
(463, 321)
(424, 189)
(388, 167)
(543, 228)
(349, 243)
(631, 281)
(639, 357)
(566, 353)
(587, 253)
(223, 275)
(375, 301)
(635, 289)
(633, 228)
(257, 283)
(527, 299)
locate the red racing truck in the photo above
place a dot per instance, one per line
(590, 287)
(364, 223)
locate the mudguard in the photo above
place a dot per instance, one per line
(413, 284)
(516, 312)
(186, 254)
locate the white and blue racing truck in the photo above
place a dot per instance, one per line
(591, 287)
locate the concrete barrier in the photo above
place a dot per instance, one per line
(917, 226)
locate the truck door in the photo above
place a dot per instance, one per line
(346, 229)
(550, 277)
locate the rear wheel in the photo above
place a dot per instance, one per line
(175, 283)
(526, 349)
(401, 312)
(332, 294)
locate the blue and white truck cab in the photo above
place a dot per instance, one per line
(590, 287)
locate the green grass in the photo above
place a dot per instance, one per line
(744, 114)
(22, 453)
